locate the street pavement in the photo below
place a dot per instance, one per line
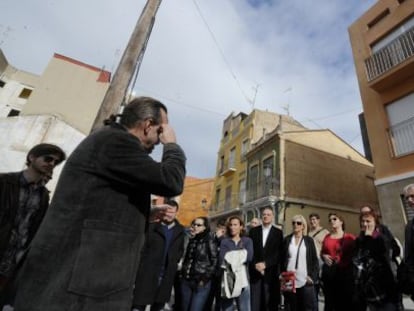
(408, 305)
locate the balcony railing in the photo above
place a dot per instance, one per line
(262, 189)
(402, 137)
(391, 55)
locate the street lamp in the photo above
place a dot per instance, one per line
(204, 203)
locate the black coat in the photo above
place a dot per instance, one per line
(147, 290)
(312, 263)
(86, 253)
(9, 204)
(200, 261)
(270, 253)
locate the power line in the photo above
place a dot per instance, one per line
(221, 52)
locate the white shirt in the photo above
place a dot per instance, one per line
(301, 271)
(265, 232)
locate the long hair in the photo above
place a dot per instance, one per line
(241, 222)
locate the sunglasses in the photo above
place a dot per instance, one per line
(299, 223)
(333, 219)
(196, 225)
(50, 159)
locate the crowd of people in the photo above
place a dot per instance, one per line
(99, 246)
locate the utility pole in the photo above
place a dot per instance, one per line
(130, 63)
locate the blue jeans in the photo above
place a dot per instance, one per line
(242, 302)
(193, 295)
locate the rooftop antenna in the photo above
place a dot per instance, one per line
(253, 100)
(286, 107)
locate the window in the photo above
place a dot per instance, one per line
(242, 191)
(244, 147)
(379, 18)
(232, 158)
(268, 175)
(2, 83)
(253, 176)
(25, 93)
(221, 164)
(227, 203)
(217, 205)
(393, 35)
(13, 113)
(401, 119)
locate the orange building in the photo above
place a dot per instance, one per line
(382, 42)
(195, 200)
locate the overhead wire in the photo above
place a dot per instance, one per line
(221, 52)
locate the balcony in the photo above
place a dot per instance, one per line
(382, 67)
(262, 189)
(402, 137)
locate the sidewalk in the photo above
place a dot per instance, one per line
(408, 304)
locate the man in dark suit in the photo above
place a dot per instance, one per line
(264, 269)
(163, 249)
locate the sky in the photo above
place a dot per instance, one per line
(208, 58)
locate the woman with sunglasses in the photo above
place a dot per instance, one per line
(337, 269)
(299, 255)
(198, 266)
(236, 251)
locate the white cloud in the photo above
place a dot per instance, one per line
(302, 45)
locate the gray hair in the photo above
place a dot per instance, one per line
(407, 188)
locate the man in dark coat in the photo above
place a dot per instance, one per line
(163, 249)
(24, 200)
(265, 267)
(86, 253)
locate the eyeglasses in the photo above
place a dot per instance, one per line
(333, 219)
(196, 225)
(299, 223)
(410, 196)
(50, 159)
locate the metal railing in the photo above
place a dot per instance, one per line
(391, 55)
(402, 137)
(261, 189)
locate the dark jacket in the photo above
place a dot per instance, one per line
(312, 263)
(9, 204)
(374, 279)
(200, 259)
(409, 243)
(85, 255)
(270, 253)
(148, 290)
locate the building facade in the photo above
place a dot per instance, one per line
(239, 133)
(56, 107)
(382, 42)
(290, 169)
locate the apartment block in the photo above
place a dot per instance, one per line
(382, 42)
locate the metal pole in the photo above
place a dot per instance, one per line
(129, 63)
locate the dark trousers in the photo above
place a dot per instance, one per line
(302, 300)
(215, 295)
(265, 296)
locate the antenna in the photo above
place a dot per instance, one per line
(253, 100)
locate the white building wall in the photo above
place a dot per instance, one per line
(19, 134)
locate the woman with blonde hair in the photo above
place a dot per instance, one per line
(299, 255)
